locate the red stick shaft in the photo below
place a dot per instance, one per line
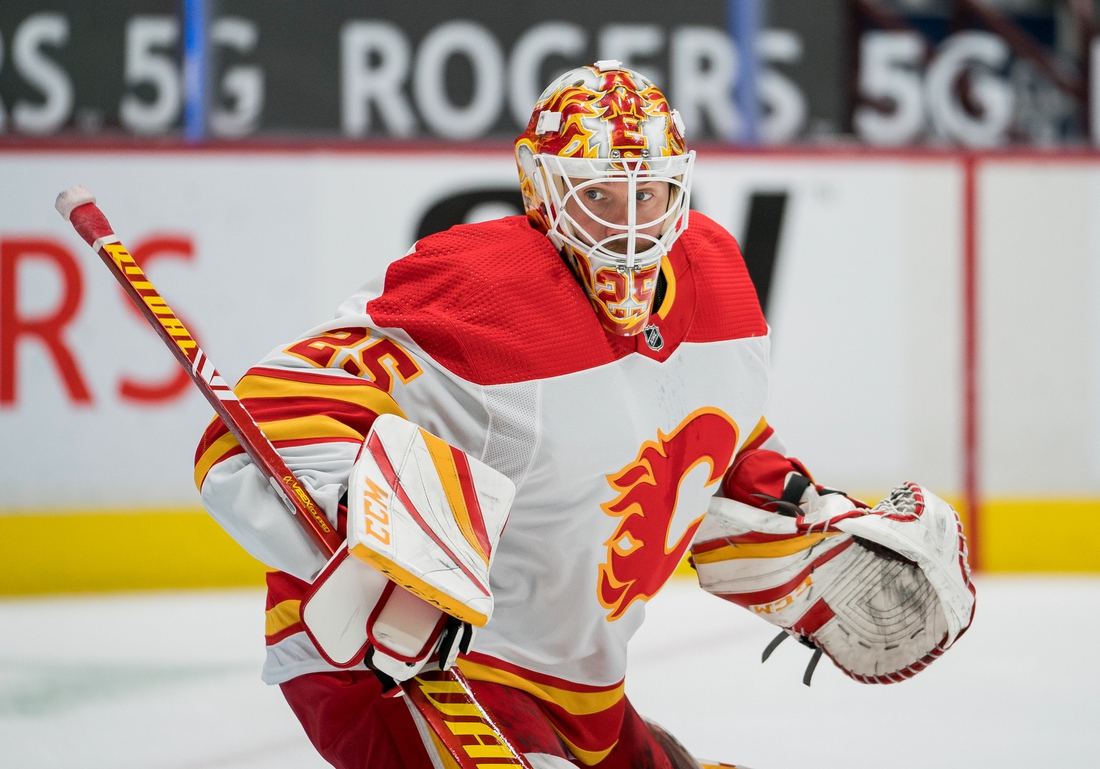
(94, 228)
(443, 698)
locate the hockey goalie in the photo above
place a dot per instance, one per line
(521, 428)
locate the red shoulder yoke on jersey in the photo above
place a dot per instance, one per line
(494, 302)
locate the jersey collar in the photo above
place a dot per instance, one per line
(669, 324)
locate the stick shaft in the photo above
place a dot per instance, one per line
(220, 396)
(443, 698)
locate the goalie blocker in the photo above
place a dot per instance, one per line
(424, 520)
(883, 591)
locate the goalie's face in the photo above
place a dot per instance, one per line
(605, 174)
(614, 220)
(602, 210)
(613, 230)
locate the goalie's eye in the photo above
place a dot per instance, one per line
(597, 195)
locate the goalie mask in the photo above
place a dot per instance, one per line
(605, 174)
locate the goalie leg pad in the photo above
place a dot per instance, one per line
(677, 754)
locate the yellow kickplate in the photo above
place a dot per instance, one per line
(89, 551)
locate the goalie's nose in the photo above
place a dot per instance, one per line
(608, 227)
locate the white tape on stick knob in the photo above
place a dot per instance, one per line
(72, 198)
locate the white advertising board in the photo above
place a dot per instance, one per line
(865, 312)
(1040, 328)
(253, 248)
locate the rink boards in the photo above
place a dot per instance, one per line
(251, 248)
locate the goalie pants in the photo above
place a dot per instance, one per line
(353, 726)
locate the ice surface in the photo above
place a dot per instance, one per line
(171, 681)
(1019, 689)
(142, 681)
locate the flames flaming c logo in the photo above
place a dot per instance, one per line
(640, 558)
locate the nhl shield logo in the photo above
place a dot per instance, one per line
(653, 338)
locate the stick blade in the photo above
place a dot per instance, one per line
(72, 198)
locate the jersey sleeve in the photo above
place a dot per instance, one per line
(316, 403)
(760, 472)
(763, 436)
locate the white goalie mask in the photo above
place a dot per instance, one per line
(605, 174)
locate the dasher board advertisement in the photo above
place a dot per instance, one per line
(860, 260)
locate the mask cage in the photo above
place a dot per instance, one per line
(564, 179)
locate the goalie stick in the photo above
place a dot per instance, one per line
(442, 698)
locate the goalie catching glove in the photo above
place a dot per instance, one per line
(424, 520)
(883, 591)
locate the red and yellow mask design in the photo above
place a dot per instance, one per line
(601, 125)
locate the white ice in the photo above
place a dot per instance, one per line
(171, 681)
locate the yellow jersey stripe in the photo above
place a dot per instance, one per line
(298, 428)
(670, 288)
(258, 386)
(586, 757)
(444, 462)
(302, 428)
(281, 616)
(369, 397)
(761, 426)
(762, 549)
(210, 457)
(574, 703)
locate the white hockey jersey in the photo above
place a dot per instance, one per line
(483, 337)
